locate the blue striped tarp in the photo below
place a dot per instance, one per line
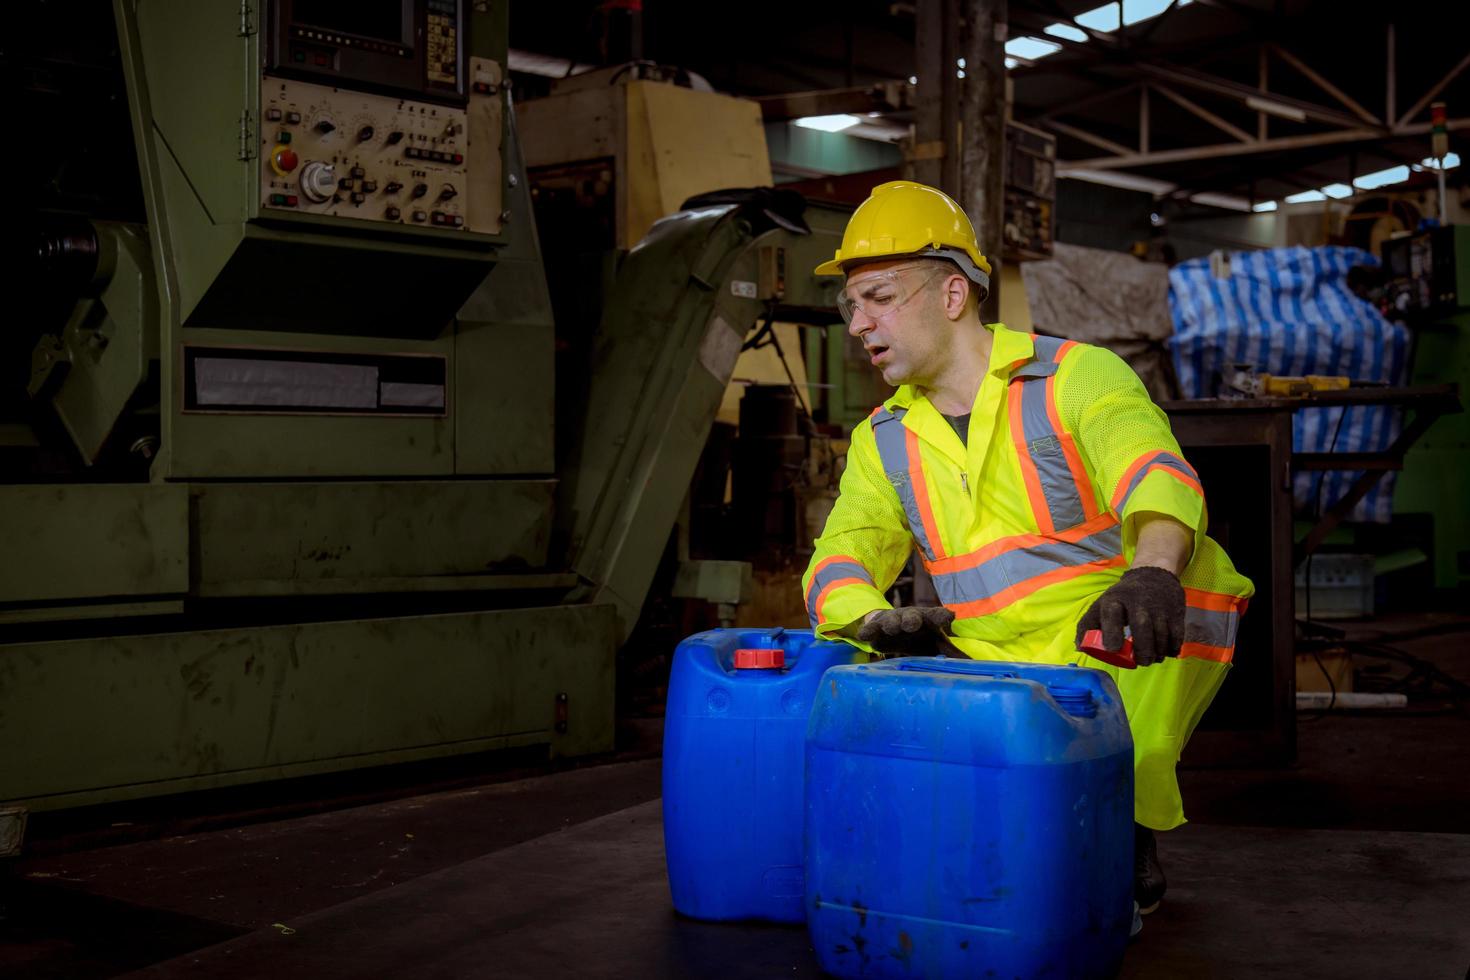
(1288, 311)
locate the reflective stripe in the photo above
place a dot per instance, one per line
(833, 572)
(898, 451)
(1008, 569)
(1056, 481)
(1211, 622)
(1165, 462)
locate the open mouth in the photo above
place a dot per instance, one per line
(876, 351)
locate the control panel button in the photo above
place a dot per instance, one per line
(358, 172)
(293, 117)
(347, 184)
(318, 181)
(284, 136)
(283, 160)
(391, 213)
(413, 153)
(283, 200)
(419, 216)
(457, 158)
(273, 114)
(369, 186)
(358, 197)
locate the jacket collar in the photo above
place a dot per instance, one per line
(1008, 348)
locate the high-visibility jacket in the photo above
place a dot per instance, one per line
(1023, 528)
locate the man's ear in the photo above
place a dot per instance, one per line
(955, 294)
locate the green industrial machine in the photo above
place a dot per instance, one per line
(277, 481)
(1429, 284)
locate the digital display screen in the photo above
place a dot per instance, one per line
(379, 19)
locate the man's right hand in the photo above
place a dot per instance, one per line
(913, 631)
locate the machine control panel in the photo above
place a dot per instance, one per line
(331, 151)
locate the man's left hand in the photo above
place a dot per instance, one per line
(1148, 600)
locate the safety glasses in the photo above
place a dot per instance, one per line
(883, 294)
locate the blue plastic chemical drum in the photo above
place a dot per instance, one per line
(737, 713)
(968, 819)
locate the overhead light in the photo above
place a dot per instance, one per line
(1225, 201)
(1451, 161)
(1382, 178)
(1262, 206)
(1011, 62)
(959, 74)
(1067, 32)
(913, 79)
(960, 63)
(1117, 178)
(1108, 17)
(1276, 109)
(1337, 191)
(1031, 48)
(1305, 197)
(828, 124)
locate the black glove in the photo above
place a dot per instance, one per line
(1150, 602)
(913, 631)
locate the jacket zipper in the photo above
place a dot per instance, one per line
(965, 482)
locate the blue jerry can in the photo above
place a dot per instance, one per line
(968, 819)
(737, 713)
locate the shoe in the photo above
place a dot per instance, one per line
(1149, 883)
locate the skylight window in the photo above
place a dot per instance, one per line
(1105, 18)
(1306, 197)
(1031, 48)
(1337, 191)
(1066, 32)
(1451, 161)
(1137, 10)
(1382, 178)
(1262, 206)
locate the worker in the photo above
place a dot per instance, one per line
(1039, 484)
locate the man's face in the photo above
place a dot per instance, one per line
(897, 315)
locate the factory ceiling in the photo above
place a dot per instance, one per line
(1176, 97)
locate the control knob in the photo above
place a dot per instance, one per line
(419, 190)
(448, 192)
(318, 181)
(364, 134)
(326, 126)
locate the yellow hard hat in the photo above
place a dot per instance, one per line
(905, 218)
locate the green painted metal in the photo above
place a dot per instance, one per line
(672, 328)
(249, 535)
(1436, 475)
(129, 716)
(102, 357)
(85, 541)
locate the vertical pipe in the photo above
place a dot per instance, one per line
(1261, 84)
(1143, 122)
(1390, 115)
(929, 29)
(950, 89)
(984, 115)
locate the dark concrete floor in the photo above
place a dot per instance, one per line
(1364, 838)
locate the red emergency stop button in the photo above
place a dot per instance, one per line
(760, 659)
(284, 160)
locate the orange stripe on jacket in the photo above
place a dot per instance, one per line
(1148, 464)
(1069, 450)
(1029, 476)
(1214, 601)
(1200, 651)
(1003, 598)
(1016, 542)
(921, 492)
(837, 584)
